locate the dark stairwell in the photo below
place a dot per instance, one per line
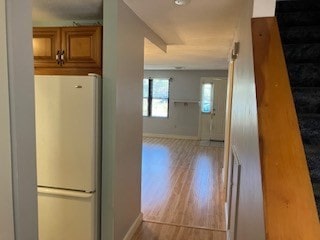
(299, 24)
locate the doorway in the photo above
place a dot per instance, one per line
(181, 178)
(212, 109)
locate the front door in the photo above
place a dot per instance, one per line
(213, 108)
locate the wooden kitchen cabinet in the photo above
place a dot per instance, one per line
(46, 42)
(67, 50)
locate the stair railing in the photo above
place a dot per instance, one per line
(289, 205)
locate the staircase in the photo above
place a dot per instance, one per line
(299, 24)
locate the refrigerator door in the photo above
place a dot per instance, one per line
(67, 134)
(66, 215)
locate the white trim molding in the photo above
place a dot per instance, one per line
(133, 227)
(6, 200)
(156, 135)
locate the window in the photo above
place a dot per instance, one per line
(155, 97)
(206, 101)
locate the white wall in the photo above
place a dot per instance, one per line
(122, 119)
(6, 203)
(183, 120)
(264, 8)
(21, 95)
(244, 136)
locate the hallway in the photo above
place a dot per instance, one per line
(181, 190)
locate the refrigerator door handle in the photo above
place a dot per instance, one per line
(67, 193)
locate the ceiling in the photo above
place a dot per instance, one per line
(199, 35)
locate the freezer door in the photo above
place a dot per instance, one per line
(67, 131)
(67, 215)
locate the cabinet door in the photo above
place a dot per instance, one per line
(81, 46)
(46, 43)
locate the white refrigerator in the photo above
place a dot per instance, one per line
(68, 156)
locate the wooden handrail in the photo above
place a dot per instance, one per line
(289, 205)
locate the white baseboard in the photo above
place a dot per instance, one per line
(133, 228)
(223, 173)
(226, 211)
(228, 235)
(155, 135)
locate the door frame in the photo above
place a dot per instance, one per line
(17, 16)
(227, 140)
(6, 202)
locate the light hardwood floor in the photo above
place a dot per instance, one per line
(156, 231)
(181, 190)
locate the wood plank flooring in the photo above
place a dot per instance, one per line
(155, 231)
(182, 189)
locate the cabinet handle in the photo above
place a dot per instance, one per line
(58, 57)
(62, 57)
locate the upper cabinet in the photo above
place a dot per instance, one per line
(67, 50)
(46, 43)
